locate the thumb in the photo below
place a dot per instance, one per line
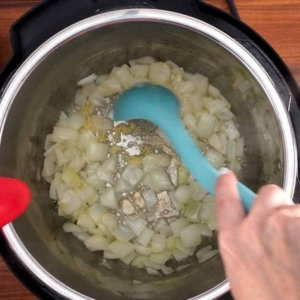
(229, 207)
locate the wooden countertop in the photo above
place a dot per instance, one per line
(277, 21)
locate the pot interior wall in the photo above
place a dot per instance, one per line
(50, 88)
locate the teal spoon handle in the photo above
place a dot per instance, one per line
(196, 163)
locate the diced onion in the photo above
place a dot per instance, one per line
(190, 236)
(150, 198)
(208, 256)
(133, 175)
(96, 242)
(205, 127)
(158, 180)
(158, 243)
(178, 225)
(145, 237)
(158, 159)
(108, 198)
(87, 79)
(121, 249)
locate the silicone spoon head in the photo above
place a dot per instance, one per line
(148, 102)
(14, 199)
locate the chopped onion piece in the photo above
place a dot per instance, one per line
(105, 175)
(80, 98)
(136, 224)
(109, 87)
(142, 250)
(153, 265)
(72, 228)
(167, 271)
(158, 180)
(65, 133)
(150, 198)
(205, 127)
(213, 91)
(205, 231)
(96, 211)
(152, 272)
(123, 233)
(71, 178)
(95, 182)
(133, 175)
(178, 225)
(76, 120)
(85, 221)
(111, 164)
(87, 79)
(145, 237)
(203, 251)
(84, 139)
(140, 71)
(69, 203)
(107, 254)
(139, 261)
(215, 158)
(231, 130)
(96, 242)
(102, 123)
(208, 256)
(96, 151)
(171, 243)
(161, 223)
(122, 186)
(190, 250)
(179, 256)
(81, 236)
(49, 166)
(183, 175)
(190, 236)
(215, 142)
(190, 121)
(161, 258)
(158, 243)
(158, 159)
(192, 209)
(159, 73)
(129, 258)
(108, 198)
(120, 248)
(231, 150)
(109, 220)
(183, 193)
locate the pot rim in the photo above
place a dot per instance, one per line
(159, 16)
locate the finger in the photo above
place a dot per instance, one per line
(229, 207)
(269, 198)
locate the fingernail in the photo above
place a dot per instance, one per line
(222, 171)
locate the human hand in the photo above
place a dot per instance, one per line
(260, 251)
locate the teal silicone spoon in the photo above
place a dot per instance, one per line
(160, 106)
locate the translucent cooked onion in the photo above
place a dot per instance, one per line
(114, 202)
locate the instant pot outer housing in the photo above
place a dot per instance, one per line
(52, 51)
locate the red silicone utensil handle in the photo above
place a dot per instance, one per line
(14, 199)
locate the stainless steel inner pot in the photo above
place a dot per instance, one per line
(45, 84)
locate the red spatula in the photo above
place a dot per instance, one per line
(14, 199)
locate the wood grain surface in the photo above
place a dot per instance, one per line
(278, 21)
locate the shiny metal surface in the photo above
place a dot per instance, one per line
(45, 84)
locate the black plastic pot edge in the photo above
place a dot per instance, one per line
(22, 48)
